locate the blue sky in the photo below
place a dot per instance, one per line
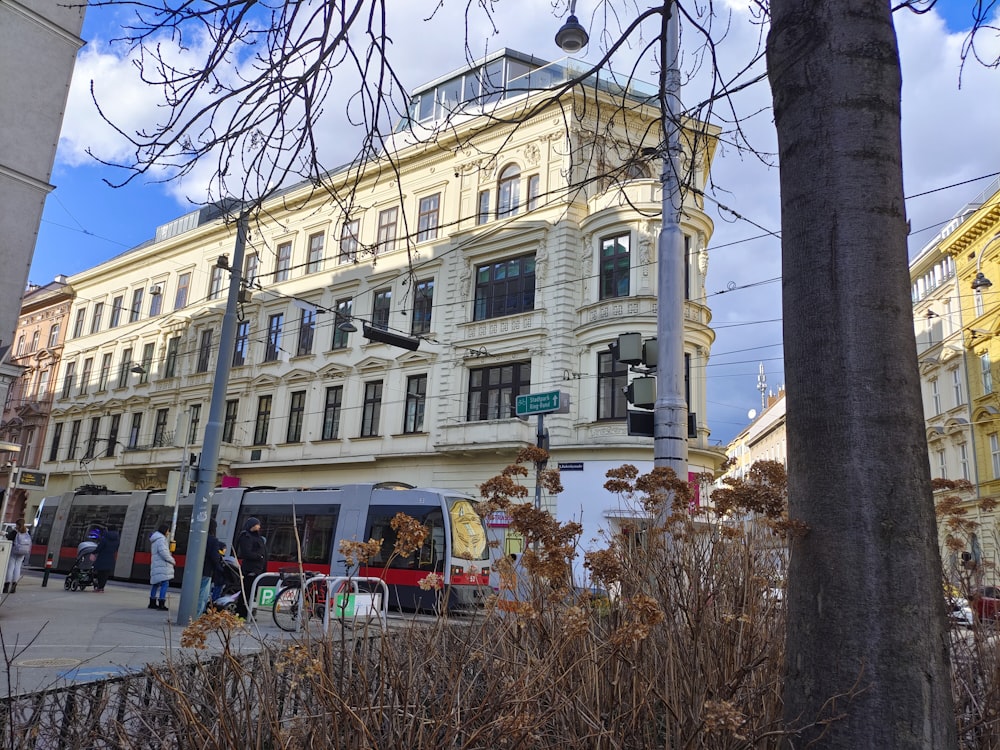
(949, 138)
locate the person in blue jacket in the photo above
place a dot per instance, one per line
(107, 553)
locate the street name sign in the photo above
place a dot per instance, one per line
(541, 403)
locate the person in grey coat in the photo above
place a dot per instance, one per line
(161, 567)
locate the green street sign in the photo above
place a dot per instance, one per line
(540, 403)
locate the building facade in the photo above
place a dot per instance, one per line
(505, 253)
(36, 353)
(971, 244)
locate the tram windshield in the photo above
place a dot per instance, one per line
(468, 533)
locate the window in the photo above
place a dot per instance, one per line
(57, 431)
(54, 335)
(204, 350)
(315, 260)
(508, 191)
(116, 421)
(181, 298)
(95, 322)
(483, 214)
(263, 420)
(34, 341)
(296, 410)
(380, 308)
(493, 391)
(386, 238)
(995, 454)
(372, 409)
(155, 302)
(229, 424)
(534, 185)
(160, 428)
(170, 362)
(95, 429)
(427, 218)
(242, 344)
(505, 288)
(307, 329)
(194, 422)
(147, 361)
(125, 368)
(349, 240)
(19, 351)
(215, 278)
(963, 461)
(416, 402)
(274, 325)
(136, 309)
(117, 305)
(74, 438)
(331, 412)
(250, 269)
(612, 377)
(135, 430)
(615, 266)
(978, 297)
(956, 387)
(105, 373)
(283, 267)
(68, 379)
(341, 337)
(942, 465)
(78, 323)
(88, 366)
(423, 302)
(935, 396)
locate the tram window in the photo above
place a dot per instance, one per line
(85, 517)
(44, 528)
(429, 557)
(315, 534)
(153, 517)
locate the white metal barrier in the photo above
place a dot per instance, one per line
(374, 604)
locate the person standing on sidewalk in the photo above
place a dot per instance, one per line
(107, 553)
(212, 569)
(161, 567)
(250, 549)
(18, 553)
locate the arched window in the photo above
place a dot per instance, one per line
(508, 191)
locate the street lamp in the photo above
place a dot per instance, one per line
(670, 446)
(981, 282)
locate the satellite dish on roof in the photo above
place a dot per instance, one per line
(752, 414)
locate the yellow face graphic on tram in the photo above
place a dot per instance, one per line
(467, 532)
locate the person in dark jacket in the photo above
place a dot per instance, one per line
(212, 569)
(107, 553)
(250, 549)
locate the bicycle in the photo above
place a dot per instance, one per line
(295, 604)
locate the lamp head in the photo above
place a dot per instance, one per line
(572, 37)
(981, 282)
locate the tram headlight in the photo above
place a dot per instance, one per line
(457, 570)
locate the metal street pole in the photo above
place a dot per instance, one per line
(670, 446)
(208, 466)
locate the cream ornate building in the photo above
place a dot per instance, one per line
(514, 246)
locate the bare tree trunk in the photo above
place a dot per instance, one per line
(867, 630)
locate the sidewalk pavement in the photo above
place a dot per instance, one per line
(51, 637)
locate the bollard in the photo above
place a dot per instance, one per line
(48, 569)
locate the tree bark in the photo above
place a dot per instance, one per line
(867, 634)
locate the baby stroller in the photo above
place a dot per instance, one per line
(227, 590)
(81, 574)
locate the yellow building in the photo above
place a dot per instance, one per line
(972, 242)
(510, 250)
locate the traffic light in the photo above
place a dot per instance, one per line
(641, 392)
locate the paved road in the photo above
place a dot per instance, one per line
(52, 637)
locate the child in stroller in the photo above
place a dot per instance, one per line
(227, 587)
(82, 574)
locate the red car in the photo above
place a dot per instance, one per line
(986, 603)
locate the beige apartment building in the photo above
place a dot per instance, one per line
(506, 253)
(36, 355)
